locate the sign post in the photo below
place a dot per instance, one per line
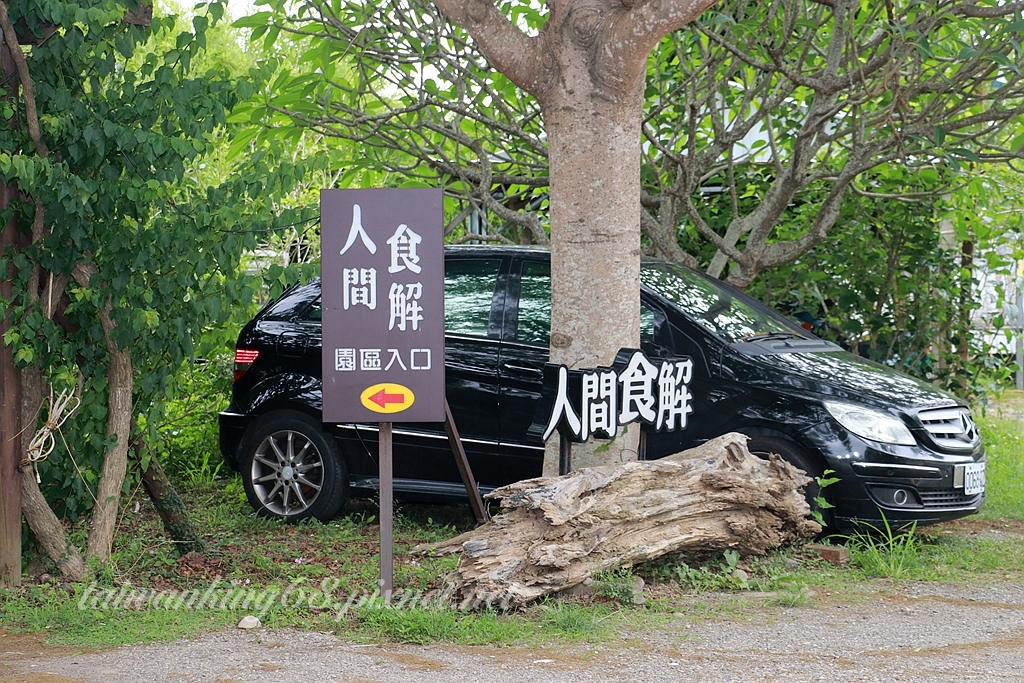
(382, 277)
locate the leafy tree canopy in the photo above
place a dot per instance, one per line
(774, 106)
(131, 226)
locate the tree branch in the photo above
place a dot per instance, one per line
(27, 90)
(511, 51)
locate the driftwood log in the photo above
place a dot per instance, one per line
(558, 531)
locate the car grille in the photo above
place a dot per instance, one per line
(951, 429)
(949, 498)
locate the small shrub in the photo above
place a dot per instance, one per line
(885, 551)
(615, 584)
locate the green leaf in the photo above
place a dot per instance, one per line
(964, 153)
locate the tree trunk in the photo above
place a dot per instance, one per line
(47, 528)
(10, 424)
(594, 136)
(119, 420)
(586, 67)
(560, 531)
(168, 504)
(10, 387)
(115, 462)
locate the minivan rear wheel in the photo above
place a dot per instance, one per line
(795, 455)
(292, 470)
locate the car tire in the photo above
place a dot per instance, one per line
(291, 469)
(795, 455)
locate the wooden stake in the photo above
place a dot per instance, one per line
(476, 501)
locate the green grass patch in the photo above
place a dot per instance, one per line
(886, 552)
(431, 624)
(1004, 445)
(322, 576)
(946, 557)
(66, 619)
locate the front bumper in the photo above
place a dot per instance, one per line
(883, 484)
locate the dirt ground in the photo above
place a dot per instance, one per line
(911, 633)
(905, 632)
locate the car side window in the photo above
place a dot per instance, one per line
(314, 312)
(468, 294)
(646, 323)
(534, 313)
(534, 321)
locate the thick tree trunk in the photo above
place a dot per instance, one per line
(168, 504)
(10, 424)
(587, 67)
(595, 239)
(559, 531)
(10, 386)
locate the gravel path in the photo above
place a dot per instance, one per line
(924, 633)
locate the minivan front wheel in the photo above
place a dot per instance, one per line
(795, 455)
(292, 470)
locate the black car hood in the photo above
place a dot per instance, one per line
(838, 374)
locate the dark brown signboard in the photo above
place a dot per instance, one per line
(382, 272)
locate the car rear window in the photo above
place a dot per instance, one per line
(292, 303)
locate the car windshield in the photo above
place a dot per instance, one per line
(732, 316)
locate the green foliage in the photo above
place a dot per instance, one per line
(742, 139)
(886, 552)
(417, 118)
(136, 184)
(821, 501)
(616, 585)
(187, 438)
(723, 577)
(888, 287)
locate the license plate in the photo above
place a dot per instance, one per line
(971, 477)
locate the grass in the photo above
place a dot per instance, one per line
(1004, 443)
(422, 625)
(885, 552)
(323, 576)
(64, 616)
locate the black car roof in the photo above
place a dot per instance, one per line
(496, 249)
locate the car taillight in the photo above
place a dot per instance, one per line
(243, 359)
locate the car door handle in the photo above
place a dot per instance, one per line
(534, 372)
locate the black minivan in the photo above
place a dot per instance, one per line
(902, 450)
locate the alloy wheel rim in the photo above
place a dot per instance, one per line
(287, 473)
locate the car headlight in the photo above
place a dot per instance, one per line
(871, 424)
